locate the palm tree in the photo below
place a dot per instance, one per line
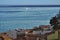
(55, 22)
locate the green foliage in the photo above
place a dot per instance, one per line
(54, 22)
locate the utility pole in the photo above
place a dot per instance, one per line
(59, 27)
(58, 18)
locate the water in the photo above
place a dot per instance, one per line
(25, 17)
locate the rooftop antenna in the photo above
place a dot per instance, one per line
(59, 11)
(58, 15)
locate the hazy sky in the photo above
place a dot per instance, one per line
(29, 2)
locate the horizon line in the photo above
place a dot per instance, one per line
(29, 5)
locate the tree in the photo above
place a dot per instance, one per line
(55, 22)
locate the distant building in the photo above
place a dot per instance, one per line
(5, 36)
(12, 34)
(46, 29)
(43, 29)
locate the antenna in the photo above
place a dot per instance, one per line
(59, 11)
(58, 14)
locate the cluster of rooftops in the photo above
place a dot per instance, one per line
(36, 31)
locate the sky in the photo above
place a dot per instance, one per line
(29, 2)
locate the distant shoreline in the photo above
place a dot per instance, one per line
(29, 5)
